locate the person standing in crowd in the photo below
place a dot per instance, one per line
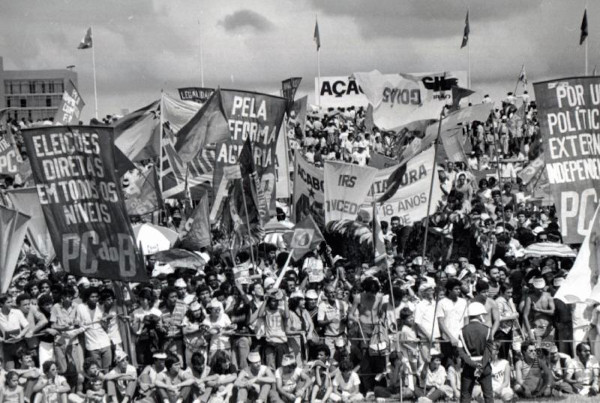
(90, 316)
(14, 326)
(451, 315)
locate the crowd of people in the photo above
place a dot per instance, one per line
(473, 317)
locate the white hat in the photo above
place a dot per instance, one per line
(159, 356)
(195, 306)
(426, 285)
(538, 283)
(336, 259)
(418, 261)
(180, 283)
(120, 355)
(476, 309)
(215, 303)
(499, 263)
(434, 351)
(254, 356)
(269, 281)
(340, 342)
(558, 281)
(450, 270)
(538, 230)
(297, 294)
(311, 294)
(83, 281)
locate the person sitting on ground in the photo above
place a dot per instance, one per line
(399, 375)
(346, 384)
(560, 364)
(292, 382)
(532, 376)
(500, 378)
(322, 375)
(254, 382)
(12, 392)
(219, 383)
(585, 371)
(121, 380)
(51, 387)
(147, 379)
(433, 379)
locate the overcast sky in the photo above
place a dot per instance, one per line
(143, 46)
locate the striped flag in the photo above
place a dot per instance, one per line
(317, 36)
(584, 28)
(466, 32)
(86, 41)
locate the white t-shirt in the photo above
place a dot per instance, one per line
(219, 341)
(498, 371)
(14, 322)
(289, 385)
(453, 314)
(95, 336)
(341, 385)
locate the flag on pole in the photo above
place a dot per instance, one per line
(466, 32)
(86, 41)
(306, 237)
(317, 36)
(523, 76)
(584, 28)
(13, 228)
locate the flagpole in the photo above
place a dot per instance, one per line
(318, 68)
(586, 55)
(94, 71)
(374, 205)
(201, 56)
(247, 222)
(469, 53)
(433, 173)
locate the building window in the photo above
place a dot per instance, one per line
(8, 102)
(48, 101)
(23, 103)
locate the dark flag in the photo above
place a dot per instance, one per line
(74, 172)
(288, 89)
(196, 234)
(137, 134)
(306, 237)
(459, 93)
(317, 36)
(251, 183)
(142, 196)
(466, 32)
(209, 125)
(584, 28)
(86, 41)
(394, 182)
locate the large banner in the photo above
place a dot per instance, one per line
(10, 159)
(196, 94)
(74, 172)
(288, 89)
(309, 191)
(409, 203)
(344, 91)
(569, 116)
(70, 106)
(346, 186)
(259, 116)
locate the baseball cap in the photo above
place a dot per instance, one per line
(254, 356)
(311, 294)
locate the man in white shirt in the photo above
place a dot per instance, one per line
(89, 315)
(424, 313)
(451, 316)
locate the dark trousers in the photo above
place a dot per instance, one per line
(468, 380)
(505, 340)
(564, 335)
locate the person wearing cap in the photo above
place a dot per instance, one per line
(299, 325)
(292, 382)
(255, 382)
(425, 322)
(332, 316)
(218, 324)
(121, 381)
(538, 312)
(193, 331)
(476, 353)
(451, 315)
(182, 292)
(147, 379)
(275, 324)
(314, 338)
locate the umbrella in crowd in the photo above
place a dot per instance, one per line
(544, 249)
(180, 258)
(152, 238)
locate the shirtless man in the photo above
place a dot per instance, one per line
(538, 311)
(492, 318)
(368, 310)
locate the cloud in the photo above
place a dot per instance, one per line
(243, 19)
(420, 18)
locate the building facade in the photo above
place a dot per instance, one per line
(33, 94)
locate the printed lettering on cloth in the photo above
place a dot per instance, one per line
(10, 159)
(309, 191)
(196, 94)
(258, 116)
(409, 202)
(70, 106)
(74, 172)
(569, 116)
(346, 187)
(399, 99)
